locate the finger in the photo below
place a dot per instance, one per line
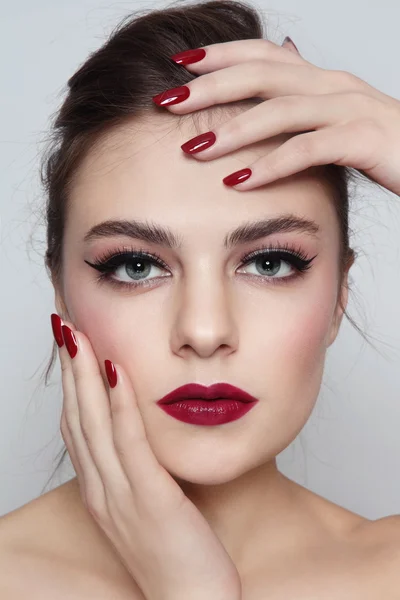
(114, 432)
(66, 382)
(287, 114)
(56, 323)
(137, 458)
(69, 443)
(261, 78)
(256, 79)
(68, 387)
(90, 421)
(345, 145)
(90, 480)
(227, 54)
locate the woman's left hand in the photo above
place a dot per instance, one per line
(346, 121)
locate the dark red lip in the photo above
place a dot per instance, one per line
(223, 391)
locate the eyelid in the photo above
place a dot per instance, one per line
(109, 256)
(112, 260)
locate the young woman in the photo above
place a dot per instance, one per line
(209, 272)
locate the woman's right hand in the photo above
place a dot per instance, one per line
(161, 537)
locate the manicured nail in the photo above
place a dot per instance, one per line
(237, 177)
(189, 56)
(288, 39)
(111, 373)
(199, 143)
(70, 341)
(56, 324)
(172, 96)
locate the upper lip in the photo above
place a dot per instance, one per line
(223, 391)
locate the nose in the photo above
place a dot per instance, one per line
(205, 321)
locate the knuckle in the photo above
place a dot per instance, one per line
(366, 130)
(265, 46)
(303, 145)
(94, 505)
(122, 450)
(235, 128)
(257, 69)
(344, 77)
(70, 417)
(117, 502)
(360, 101)
(212, 83)
(82, 376)
(64, 365)
(286, 103)
(117, 406)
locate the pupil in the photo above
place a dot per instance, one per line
(271, 266)
(137, 267)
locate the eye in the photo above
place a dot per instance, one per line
(129, 269)
(136, 269)
(270, 266)
(277, 263)
(132, 269)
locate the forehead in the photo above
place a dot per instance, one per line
(138, 170)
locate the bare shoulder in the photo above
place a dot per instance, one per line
(389, 528)
(369, 550)
(383, 534)
(382, 537)
(49, 551)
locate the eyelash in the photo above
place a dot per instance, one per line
(109, 262)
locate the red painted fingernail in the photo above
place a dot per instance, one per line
(56, 324)
(237, 177)
(111, 373)
(188, 56)
(199, 143)
(172, 96)
(70, 341)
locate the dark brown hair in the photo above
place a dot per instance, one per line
(118, 81)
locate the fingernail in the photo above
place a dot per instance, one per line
(56, 324)
(111, 373)
(172, 96)
(288, 39)
(70, 341)
(199, 143)
(237, 177)
(189, 56)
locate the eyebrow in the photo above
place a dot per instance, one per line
(163, 236)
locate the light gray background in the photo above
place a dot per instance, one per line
(349, 451)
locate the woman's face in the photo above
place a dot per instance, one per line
(207, 317)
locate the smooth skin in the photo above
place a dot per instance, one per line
(164, 541)
(353, 124)
(180, 547)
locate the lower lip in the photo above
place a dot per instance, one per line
(204, 412)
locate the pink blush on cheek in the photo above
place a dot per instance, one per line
(307, 341)
(93, 319)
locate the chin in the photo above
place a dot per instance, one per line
(202, 478)
(201, 471)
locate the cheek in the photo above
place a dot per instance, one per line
(307, 328)
(287, 363)
(99, 317)
(292, 333)
(119, 329)
(304, 348)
